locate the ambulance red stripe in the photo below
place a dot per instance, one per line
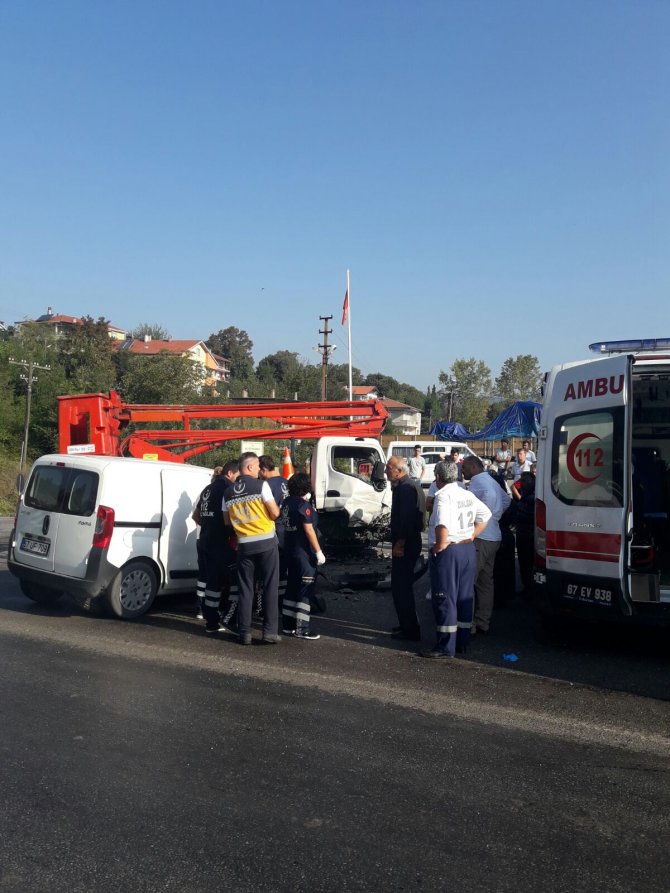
(586, 545)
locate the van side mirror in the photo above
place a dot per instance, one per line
(378, 476)
(19, 483)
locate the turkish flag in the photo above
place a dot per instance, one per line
(345, 307)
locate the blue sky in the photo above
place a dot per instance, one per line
(495, 174)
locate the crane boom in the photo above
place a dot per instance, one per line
(97, 423)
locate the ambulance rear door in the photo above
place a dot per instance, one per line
(582, 505)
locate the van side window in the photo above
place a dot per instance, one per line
(46, 488)
(82, 493)
(587, 458)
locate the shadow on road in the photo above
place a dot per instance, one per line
(635, 660)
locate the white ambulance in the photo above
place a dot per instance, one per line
(603, 485)
(104, 529)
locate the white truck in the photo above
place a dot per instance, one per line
(603, 486)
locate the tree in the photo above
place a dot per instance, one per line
(164, 378)
(395, 390)
(520, 379)
(466, 388)
(155, 331)
(282, 372)
(85, 354)
(235, 345)
(432, 410)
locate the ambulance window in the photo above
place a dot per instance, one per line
(46, 488)
(587, 465)
(81, 497)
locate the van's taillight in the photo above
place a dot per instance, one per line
(540, 534)
(104, 527)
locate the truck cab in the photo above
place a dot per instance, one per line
(348, 477)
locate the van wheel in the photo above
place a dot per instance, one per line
(133, 590)
(42, 595)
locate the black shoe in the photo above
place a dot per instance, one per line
(405, 637)
(436, 655)
(212, 631)
(244, 638)
(271, 640)
(482, 632)
(306, 634)
(396, 629)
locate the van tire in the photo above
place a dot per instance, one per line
(132, 591)
(41, 595)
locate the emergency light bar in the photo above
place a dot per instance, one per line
(632, 345)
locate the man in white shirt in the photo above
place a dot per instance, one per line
(503, 456)
(486, 488)
(530, 454)
(456, 521)
(520, 464)
(416, 465)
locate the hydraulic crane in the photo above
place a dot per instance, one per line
(97, 423)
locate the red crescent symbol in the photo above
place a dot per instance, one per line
(570, 459)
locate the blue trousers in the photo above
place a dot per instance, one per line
(300, 587)
(452, 580)
(218, 563)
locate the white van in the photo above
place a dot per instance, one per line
(603, 486)
(107, 529)
(432, 451)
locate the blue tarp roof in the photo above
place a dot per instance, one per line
(521, 419)
(450, 431)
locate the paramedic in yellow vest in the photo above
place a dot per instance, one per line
(250, 509)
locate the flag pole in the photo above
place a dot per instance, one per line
(351, 391)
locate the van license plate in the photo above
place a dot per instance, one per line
(28, 544)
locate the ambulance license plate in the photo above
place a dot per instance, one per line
(588, 594)
(36, 547)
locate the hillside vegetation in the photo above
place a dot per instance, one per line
(9, 466)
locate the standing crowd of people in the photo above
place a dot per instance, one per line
(472, 514)
(256, 527)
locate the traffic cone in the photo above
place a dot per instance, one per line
(287, 465)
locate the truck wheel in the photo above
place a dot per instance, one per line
(42, 595)
(132, 591)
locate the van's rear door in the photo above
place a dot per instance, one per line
(76, 522)
(586, 480)
(38, 516)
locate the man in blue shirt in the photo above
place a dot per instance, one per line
(486, 489)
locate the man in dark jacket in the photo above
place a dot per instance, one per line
(408, 512)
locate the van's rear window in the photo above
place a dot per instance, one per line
(71, 491)
(46, 487)
(81, 492)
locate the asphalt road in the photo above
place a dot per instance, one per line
(147, 757)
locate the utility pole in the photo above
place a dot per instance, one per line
(325, 350)
(29, 366)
